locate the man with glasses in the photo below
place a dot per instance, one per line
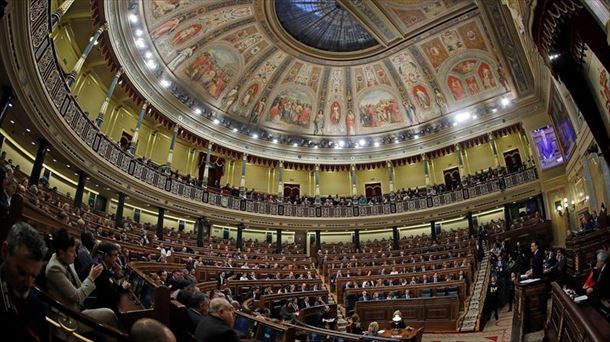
(218, 324)
(21, 312)
(108, 286)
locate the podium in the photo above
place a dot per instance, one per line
(529, 312)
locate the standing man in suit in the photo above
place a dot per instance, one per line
(218, 324)
(11, 206)
(536, 262)
(601, 289)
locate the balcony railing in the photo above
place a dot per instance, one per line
(75, 117)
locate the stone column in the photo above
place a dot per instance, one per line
(280, 180)
(586, 176)
(278, 241)
(352, 169)
(318, 242)
(239, 243)
(39, 161)
(390, 169)
(100, 115)
(356, 240)
(118, 216)
(172, 145)
(528, 148)
(433, 230)
(317, 180)
(606, 172)
(426, 163)
(472, 230)
(206, 167)
(507, 216)
(80, 189)
(160, 219)
(242, 181)
(494, 149)
(202, 224)
(136, 132)
(61, 10)
(395, 238)
(81, 61)
(6, 102)
(460, 158)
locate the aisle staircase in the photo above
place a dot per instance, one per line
(473, 308)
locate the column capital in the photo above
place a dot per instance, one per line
(244, 156)
(210, 145)
(458, 147)
(103, 28)
(176, 128)
(424, 157)
(281, 163)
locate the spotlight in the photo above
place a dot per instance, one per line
(133, 18)
(197, 111)
(165, 83)
(139, 32)
(341, 143)
(505, 102)
(140, 43)
(151, 64)
(254, 136)
(461, 117)
(376, 143)
(362, 142)
(216, 121)
(274, 141)
(235, 130)
(416, 136)
(148, 55)
(295, 145)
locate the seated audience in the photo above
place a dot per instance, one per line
(601, 288)
(198, 306)
(108, 284)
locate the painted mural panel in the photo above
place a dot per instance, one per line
(304, 74)
(416, 13)
(256, 82)
(547, 146)
(334, 122)
(213, 70)
(379, 108)
(291, 107)
(563, 124)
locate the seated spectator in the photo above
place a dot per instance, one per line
(198, 306)
(109, 286)
(11, 205)
(64, 284)
(217, 325)
(373, 329)
(84, 257)
(354, 325)
(601, 289)
(150, 330)
(21, 311)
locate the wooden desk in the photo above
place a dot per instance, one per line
(529, 313)
(581, 249)
(574, 322)
(407, 334)
(438, 314)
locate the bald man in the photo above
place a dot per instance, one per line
(218, 324)
(150, 330)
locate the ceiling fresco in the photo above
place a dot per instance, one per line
(219, 53)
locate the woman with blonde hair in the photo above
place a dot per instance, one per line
(373, 329)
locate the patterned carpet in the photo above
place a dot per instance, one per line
(494, 331)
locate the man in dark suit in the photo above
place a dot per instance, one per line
(536, 262)
(218, 324)
(21, 311)
(108, 288)
(11, 206)
(601, 289)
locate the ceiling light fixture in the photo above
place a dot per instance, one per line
(274, 141)
(165, 83)
(494, 110)
(315, 146)
(235, 130)
(12, 121)
(254, 136)
(362, 142)
(133, 18)
(461, 117)
(341, 143)
(148, 55)
(151, 64)
(197, 111)
(28, 130)
(139, 32)
(504, 102)
(10, 104)
(376, 143)
(295, 145)
(416, 136)
(68, 166)
(216, 121)
(140, 43)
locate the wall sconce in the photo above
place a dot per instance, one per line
(562, 207)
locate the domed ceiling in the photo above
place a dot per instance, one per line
(317, 69)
